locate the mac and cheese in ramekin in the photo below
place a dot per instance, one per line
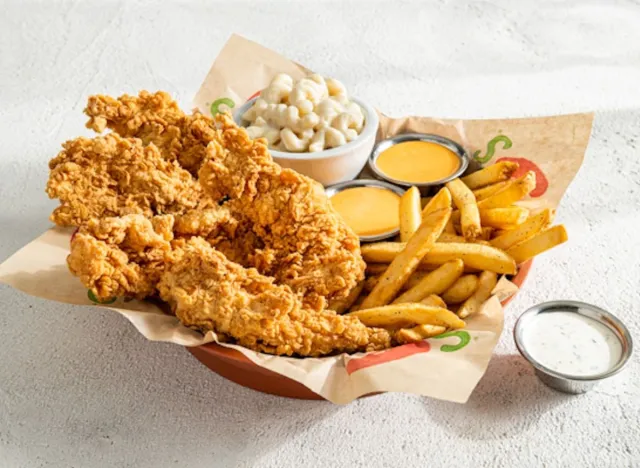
(308, 115)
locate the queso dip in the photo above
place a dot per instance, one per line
(418, 161)
(369, 211)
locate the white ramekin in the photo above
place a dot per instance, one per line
(333, 165)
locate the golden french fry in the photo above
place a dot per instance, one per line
(403, 315)
(461, 290)
(489, 190)
(465, 201)
(482, 242)
(503, 217)
(487, 232)
(410, 213)
(514, 191)
(486, 282)
(480, 257)
(436, 282)
(490, 175)
(504, 230)
(375, 269)
(450, 228)
(439, 201)
(419, 333)
(370, 283)
(524, 231)
(446, 237)
(408, 259)
(541, 242)
(434, 301)
(414, 279)
(344, 304)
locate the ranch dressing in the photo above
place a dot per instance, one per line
(571, 343)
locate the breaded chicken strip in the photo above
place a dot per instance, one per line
(307, 245)
(125, 256)
(154, 118)
(114, 176)
(208, 292)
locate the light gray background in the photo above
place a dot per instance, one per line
(79, 387)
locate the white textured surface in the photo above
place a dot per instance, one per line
(79, 387)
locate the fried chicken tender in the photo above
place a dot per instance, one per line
(208, 292)
(114, 176)
(236, 241)
(121, 256)
(125, 256)
(154, 118)
(307, 245)
(139, 257)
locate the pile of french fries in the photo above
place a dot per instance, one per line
(450, 253)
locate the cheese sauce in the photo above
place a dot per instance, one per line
(369, 211)
(571, 343)
(418, 161)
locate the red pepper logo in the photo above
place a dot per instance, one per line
(401, 352)
(542, 184)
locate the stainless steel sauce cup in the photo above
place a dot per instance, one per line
(425, 187)
(333, 189)
(565, 382)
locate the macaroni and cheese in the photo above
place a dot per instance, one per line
(308, 115)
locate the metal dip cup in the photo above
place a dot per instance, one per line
(333, 189)
(425, 187)
(565, 382)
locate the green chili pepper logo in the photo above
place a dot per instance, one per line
(215, 105)
(491, 148)
(464, 337)
(92, 297)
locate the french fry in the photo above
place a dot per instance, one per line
(446, 237)
(438, 202)
(486, 282)
(434, 301)
(490, 175)
(528, 229)
(465, 201)
(375, 269)
(436, 282)
(489, 190)
(482, 242)
(541, 242)
(414, 279)
(476, 256)
(514, 191)
(342, 305)
(461, 290)
(408, 259)
(487, 232)
(370, 283)
(450, 228)
(381, 252)
(404, 315)
(500, 218)
(410, 213)
(418, 333)
(500, 232)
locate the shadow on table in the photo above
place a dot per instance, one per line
(508, 401)
(111, 392)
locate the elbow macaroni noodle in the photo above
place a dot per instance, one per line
(308, 115)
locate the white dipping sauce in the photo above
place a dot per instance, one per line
(571, 343)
